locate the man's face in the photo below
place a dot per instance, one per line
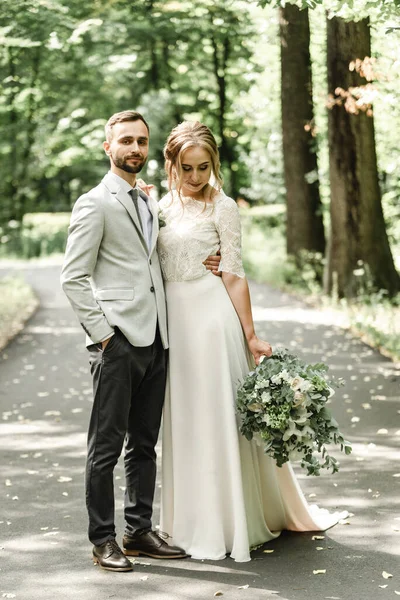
(129, 146)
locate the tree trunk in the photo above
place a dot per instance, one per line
(152, 41)
(11, 208)
(31, 123)
(305, 228)
(220, 62)
(358, 232)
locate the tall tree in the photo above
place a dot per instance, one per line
(358, 231)
(305, 228)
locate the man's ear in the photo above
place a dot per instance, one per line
(106, 146)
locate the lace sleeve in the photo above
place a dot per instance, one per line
(227, 221)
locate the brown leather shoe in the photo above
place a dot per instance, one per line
(110, 557)
(150, 544)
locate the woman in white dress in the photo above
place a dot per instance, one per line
(220, 493)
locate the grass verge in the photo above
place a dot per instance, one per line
(372, 317)
(17, 303)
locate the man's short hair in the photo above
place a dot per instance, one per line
(121, 117)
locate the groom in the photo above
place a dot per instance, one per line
(112, 277)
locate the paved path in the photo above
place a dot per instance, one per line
(45, 401)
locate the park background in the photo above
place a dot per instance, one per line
(304, 104)
(302, 97)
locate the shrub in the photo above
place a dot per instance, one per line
(39, 234)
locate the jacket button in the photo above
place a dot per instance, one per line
(150, 261)
(152, 289)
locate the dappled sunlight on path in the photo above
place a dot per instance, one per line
(45, 403)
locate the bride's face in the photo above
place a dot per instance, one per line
(196, 171)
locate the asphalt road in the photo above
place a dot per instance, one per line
(45, 402)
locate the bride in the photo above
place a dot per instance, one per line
(220, 493)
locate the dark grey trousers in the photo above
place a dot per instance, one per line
(128, 386)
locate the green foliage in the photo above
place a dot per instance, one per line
(371, 314)
(64, 71)
(350, 9)
(264, 252)
(376, 319)
(40, 234)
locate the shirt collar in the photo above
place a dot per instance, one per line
(124, 185)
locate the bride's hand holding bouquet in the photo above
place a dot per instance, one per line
(282, 404)
(259, 348)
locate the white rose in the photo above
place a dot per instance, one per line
(299, 398)
(305, 386)
(266, 397)
(285, 376)
(295, 385)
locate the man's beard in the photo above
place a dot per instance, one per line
(121, 163)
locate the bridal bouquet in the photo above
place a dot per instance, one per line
(282, 404)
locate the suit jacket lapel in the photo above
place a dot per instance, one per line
(127, 203)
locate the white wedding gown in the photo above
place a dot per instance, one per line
(220, 493)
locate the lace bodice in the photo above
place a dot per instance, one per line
(194, 231)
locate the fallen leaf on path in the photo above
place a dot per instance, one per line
(396, 475)
(319, 571)
(63, 479)
(383, 586)
(355, 419)
(243, 587)
(8, 483)
(344, 522)
(318, 537)
(219, 594)
(382, 431)
(319, 548)
(268, 551)
(397, 593)
(8, 595)
(386, 575)
(144, 578)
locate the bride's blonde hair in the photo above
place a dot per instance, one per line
(187, 135)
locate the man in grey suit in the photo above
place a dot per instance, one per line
(112, 277)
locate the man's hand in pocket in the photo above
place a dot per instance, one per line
(104, 343)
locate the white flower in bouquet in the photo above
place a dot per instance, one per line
(282, 403)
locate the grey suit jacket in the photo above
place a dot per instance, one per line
(110, 276)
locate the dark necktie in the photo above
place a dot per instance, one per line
(134, 195)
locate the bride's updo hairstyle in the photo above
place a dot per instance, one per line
(187, 135)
